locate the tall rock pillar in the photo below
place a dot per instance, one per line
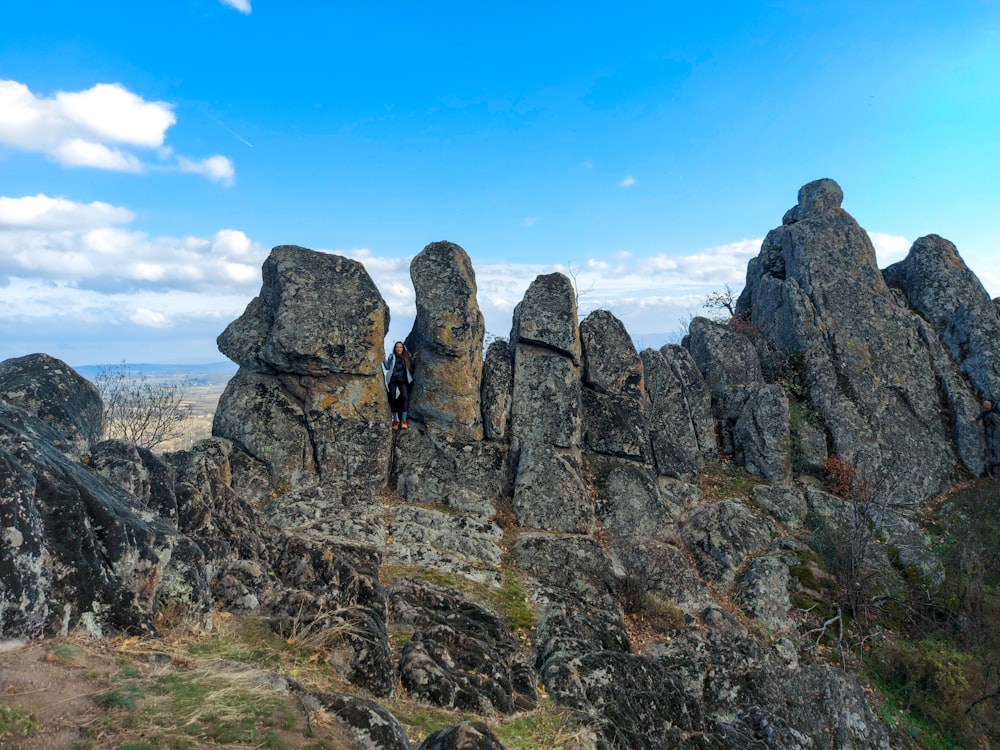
(447, 337)
(545, 420)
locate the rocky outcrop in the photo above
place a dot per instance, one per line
(498, 381)
(447, 336)
(76, 550)
(680, 418)
(559, 478)
(309, 400)
(761, 438)
(615, 421)
(731, 368)
(816, 294)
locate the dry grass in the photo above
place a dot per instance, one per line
(199, 690)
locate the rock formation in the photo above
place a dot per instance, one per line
(818, 297)
(308, 399)
(448, 338)
(563, 464)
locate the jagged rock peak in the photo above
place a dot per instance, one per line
(816, 197)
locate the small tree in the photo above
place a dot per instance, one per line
(139, 410)
(719, 301)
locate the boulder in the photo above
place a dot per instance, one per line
(547, 317)
(51, 390)
(447, 336)
(468, 735)
(309, 399)
(371, 725)
(77, 550)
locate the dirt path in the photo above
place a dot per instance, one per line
(56, 697)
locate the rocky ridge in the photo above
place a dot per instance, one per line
(563, 454)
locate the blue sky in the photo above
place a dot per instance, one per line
(152, 153)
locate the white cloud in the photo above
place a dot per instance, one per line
(528, 222)
(215, 168)
(61, 241)
(98, 128)
(149, 318)
(889, 247)
(627, 182)
(243, 6)
(77, 152)
(42, 212)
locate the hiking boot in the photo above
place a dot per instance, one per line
(404, 425)
(395, 425)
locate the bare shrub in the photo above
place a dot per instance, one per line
(140, 410)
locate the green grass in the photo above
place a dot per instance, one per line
(15, 724)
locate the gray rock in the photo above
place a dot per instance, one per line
(51, 390)
(461, 654)
(74, 549)
(763, 593)
(940, 286)
(137, 471)
(673, 436)
(632, 701)
(468, 735)
(721, 537)
(761, 436)
(730, 365)
(549, 491)
(317, 314)
(697, 397)
(447, 335)
(546, 317)
(463, 545)
(784, 503)
(547, 394)
(576, 565)
(371, 725)
(815, 292)
(434, 469)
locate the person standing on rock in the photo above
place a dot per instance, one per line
(398, 371)
(989, 407)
